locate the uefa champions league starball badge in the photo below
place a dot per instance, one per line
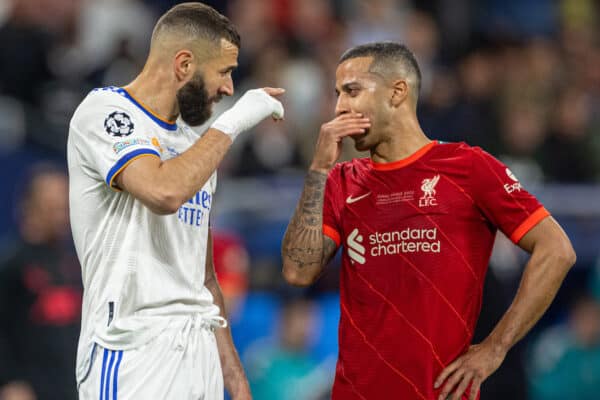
(118, 124)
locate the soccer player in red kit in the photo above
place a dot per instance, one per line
(417, 221)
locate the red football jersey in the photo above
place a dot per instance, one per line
(417, 235)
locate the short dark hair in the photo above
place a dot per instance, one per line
(384, 54)
(198, 20)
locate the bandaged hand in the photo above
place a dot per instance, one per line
(254, 106)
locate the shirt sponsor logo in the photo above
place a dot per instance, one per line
(119, 124)
(428, 188)
(512, 187)
(408, 240)
(196, 210)
(356, 250)
(124, 144)
(351, 199)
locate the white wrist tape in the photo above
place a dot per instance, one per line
(254, 106)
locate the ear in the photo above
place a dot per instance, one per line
(184, 66)
(400, 93)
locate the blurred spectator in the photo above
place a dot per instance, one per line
(566, 358)
(571, 149)
(17, 391)
(523, 131)
(40, 295)
(460, 104)
(284, 370)
(24, 73)
(372, 21)
(256, 22)
(232, 265)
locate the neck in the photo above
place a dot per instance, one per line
(154, 89)
(402, 138)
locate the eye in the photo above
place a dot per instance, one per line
(226, 72)
(353, 92)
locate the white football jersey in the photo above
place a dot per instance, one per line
(140, 270)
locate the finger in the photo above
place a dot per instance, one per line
(348, 115)
(347, 132)
(348, 119)
(274, 91)
(451, 384)
(353, 132)
(351, 120)
(446, 372)
(475, 389)
(340, 130)
(342, 126)
(462, 386)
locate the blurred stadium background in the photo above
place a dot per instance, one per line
(520, 78)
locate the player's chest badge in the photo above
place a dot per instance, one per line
(428, 198)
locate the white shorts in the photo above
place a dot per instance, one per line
(181, 364)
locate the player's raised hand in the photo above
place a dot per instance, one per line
(254, 106)
(329, 143)
(473, 367)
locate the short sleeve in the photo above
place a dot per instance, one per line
(501, 198)
(331, 212)
(108, 137)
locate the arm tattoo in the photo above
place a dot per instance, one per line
(303, 240)
(329, 248)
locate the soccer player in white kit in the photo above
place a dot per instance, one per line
(141, 189)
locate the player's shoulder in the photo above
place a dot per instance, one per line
(351, 167)
(102, 100)
(459, 151)
(102, 105)
(110, 95)
(455, 149)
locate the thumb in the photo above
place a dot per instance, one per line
(278, 110)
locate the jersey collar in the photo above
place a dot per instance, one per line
(405, 161)
(168, 125)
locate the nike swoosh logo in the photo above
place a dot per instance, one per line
(351, 200)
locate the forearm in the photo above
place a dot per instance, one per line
(188, 172)
(163, 186)
(302, 247)
(541, 280)
(234, 376)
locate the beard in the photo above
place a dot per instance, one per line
(195, 105)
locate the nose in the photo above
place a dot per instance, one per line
(227, 88)
(341, 107)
